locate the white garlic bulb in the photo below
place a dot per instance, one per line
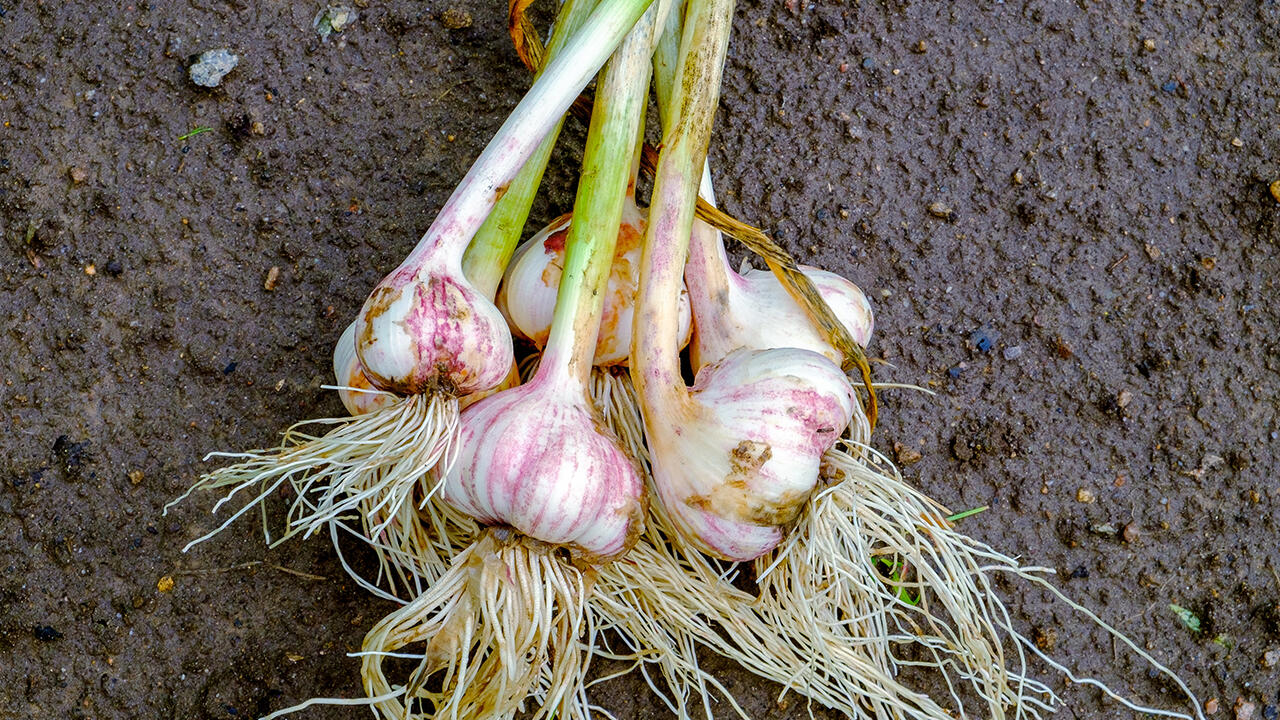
(735, 460)
(528, 294)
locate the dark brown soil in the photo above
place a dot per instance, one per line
(1061, 211)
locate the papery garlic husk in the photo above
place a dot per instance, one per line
(425, 329)
(757, 313)
(527, 296)
(737, 461)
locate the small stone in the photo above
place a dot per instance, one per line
(114, 268)
(1270, 658)
(90, 270)
(1018, 179)
(211, 66)
(78, 175)
(1085, 495)
(257, 128)
(1270, 712)
(1275, 191)
(1012, 353)
(1153, 252)
(868, 63)
(46, 633)
(983, 339)
(941, 210)
(273, 278)
(1237, 143)
(906, 455)
(1046, 639)
(920, 47)
(333, 19)
(1130, 533)
(1149, 45)
(1244, 709)
(1123, 398)
(1211, 706)
(165, 584)
(455, 19)
(135, 477)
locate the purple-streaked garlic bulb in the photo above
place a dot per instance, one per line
(534, 458)
(425, 329)
(735, 460)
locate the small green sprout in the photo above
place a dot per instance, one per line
(1188, 618)
(197, 130)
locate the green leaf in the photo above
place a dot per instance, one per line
(195, 131)
(1187, 617)
(967, 513)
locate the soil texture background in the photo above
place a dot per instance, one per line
(1061, 211)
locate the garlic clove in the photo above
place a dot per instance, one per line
(528, 294)
(428, 330)
(350, 374)
(761, 315)
(737, 461)
(534, 458)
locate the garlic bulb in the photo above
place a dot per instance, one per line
(425, 329)
(754, 311)
(350, 374)
(534, 458)
(736, 458)
(528, 294)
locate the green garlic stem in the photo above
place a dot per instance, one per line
(655, 352)
(532, 120)
(490, 250)
(621, 98)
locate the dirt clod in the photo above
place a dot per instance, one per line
(456, 18)
(942, 210)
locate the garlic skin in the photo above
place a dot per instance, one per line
(536, 459)
(426, 329)
(527, 296)
(350, 374)
(737, 459)
(757, 313)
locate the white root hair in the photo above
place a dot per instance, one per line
(508, 621)
(369, 464)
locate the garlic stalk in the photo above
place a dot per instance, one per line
(425, 333)
(735, 457)
(490, 250)
(535, 467)
(751, 310)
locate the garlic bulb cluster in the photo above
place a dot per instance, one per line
(528, 294)
(735, 460)
(425, 329)
(535, 459)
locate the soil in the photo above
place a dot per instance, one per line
(1061, 211)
